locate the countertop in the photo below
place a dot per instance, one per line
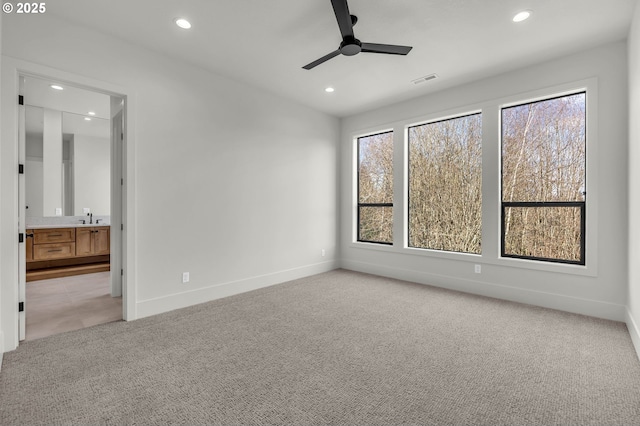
(67, 225)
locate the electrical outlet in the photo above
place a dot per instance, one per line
(185, 277)
(58, 211)
(86, 210)
(478, 269)
(322, 252)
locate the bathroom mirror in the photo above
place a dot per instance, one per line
(67, 169)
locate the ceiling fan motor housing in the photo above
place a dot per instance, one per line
(350, 46)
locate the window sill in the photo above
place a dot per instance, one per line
(482, 259)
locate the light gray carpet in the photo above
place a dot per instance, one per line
(336, 348)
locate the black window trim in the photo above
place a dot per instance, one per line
(542, 204)
(360, 205)
(581, 204)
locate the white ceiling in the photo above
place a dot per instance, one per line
(38, 92)
(75, 104)
(266, 43)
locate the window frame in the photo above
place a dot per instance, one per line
(542, 204)
(491, 184)
(360, 205)
(407, 189)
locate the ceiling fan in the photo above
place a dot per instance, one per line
(350, 44)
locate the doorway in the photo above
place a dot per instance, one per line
(71, 145)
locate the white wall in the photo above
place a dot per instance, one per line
(633, 317)
(599, 291)
(34, 179)
(92, 174)
(52, 163)
(2, 231)
(233, 184)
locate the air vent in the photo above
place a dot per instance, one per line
(425, 78)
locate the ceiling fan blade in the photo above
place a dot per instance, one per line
(325, 58)
(341, 9)
(390, 49)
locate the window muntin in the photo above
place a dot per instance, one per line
(445, 185)
(544, 180)
(375, 188)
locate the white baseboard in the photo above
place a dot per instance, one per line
(634, 331)
(159, 305)
(593, 308)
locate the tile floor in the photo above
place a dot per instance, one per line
(70, 303)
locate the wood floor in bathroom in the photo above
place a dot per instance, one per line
(64, 304)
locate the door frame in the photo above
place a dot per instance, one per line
(10, 204)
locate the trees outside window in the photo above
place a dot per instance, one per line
(543, 185)
(544, 179)
(375, 188)
(445, 185)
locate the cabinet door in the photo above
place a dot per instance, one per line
(101, 243)
(84, 241)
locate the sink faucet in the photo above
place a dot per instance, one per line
(83, 221)
(90, 217)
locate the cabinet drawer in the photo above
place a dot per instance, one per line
(53, 251)
(57, 235)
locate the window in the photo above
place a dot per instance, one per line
(375, 188)
(445, 185)
(543, 180)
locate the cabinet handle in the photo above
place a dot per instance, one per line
(51, 251)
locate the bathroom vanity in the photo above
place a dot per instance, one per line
(54, 251)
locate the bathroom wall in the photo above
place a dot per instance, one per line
(92, 170)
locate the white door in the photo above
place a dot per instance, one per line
(22, 260)
(117, 141)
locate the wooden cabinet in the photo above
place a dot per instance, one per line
(57, 243)
(92, 241)
(29, 245)
(102, 240)
(53, 251)
(62, 243)
(83, 241)
(61, 252)
(55, 235)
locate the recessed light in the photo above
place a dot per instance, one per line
(87, 119)
(521, 16)
(183, 23)
(91, 113)
(329, 89)
(56, 87)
